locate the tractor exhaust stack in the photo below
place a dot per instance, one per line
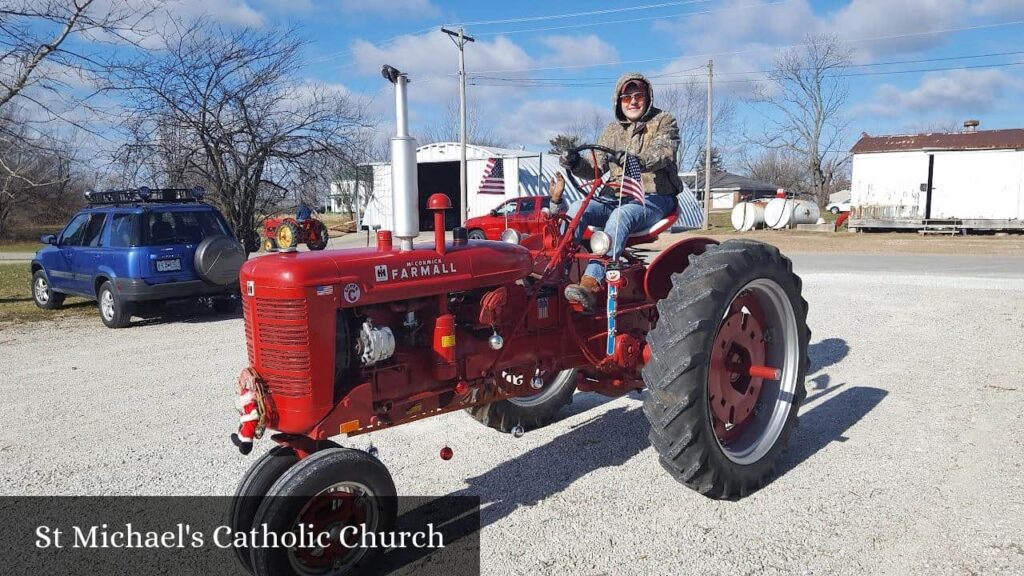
(404, 184)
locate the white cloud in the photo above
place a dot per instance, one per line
(967, 92)
(534, 122)
(1011, 8)
(432, 62)
(906, 19)
(578, 50)
(396, 9)
(232, 12)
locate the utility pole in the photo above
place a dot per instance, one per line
(707, 152)
(461, 43)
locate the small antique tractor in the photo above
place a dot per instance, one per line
(285, 233)
(346, 342)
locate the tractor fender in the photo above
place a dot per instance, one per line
(675, 258)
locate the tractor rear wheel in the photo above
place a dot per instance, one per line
(331, 490)
(254, 486)
(529, 412)
(726, 373)
(319, 242)
(287, 235)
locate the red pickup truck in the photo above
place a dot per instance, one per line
(521, 214)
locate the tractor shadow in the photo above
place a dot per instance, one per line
(827, 422)
(608, 439)
(826, 353)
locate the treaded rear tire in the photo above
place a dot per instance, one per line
(677, 376)
(504, 415)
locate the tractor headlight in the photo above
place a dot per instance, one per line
(511, 236)
(600, 242)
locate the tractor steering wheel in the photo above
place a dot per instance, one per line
(593, 148)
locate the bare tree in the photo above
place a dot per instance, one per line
(447, 128)
(45, 73)
(35, 172)
(936, 126)
(688, 103)
(780, 167)
(807, 97)
(587, 127)
(221, 108)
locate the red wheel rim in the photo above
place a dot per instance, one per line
(332, 512)
(732, 392)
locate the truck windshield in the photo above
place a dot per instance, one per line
(181, 226)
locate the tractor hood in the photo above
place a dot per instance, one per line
(362, 276)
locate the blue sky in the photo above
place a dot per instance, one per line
(577, 57)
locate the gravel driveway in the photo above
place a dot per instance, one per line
(909, 456)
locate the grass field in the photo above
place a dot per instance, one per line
(16, 303)
(20, 247)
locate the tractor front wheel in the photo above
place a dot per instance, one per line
(254, 487)
(287, 235)
(529, 412)
(330, 491)
(726, 373)
(269, 244)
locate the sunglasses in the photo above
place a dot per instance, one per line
(638, 96)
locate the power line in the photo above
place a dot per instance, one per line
(577, 14)
(876, 73)
(752, 50)
(598, 81)
(639, 19)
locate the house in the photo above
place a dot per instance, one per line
(728, 190)
(970, 180)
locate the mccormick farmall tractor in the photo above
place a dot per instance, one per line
(285, 233)
(346, 342)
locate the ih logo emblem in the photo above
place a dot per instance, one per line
(381, 271)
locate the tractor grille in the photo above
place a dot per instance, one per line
(284, 346)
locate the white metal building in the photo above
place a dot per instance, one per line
(438, 171)
(526, 173)
(968, 180)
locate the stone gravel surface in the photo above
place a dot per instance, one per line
(908, 459)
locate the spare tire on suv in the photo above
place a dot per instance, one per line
(218, 260)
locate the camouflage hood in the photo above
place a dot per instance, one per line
(625, 79)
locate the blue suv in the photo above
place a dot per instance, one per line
(130, 247)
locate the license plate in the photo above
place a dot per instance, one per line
(168, 265)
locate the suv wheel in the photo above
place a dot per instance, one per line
(113, 311)
(43, 295)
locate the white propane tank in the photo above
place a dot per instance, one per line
(778, 213)
(805, 212)
(747, 216)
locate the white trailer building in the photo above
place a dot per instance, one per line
(971, 180)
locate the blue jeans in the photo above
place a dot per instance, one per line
(619, 222)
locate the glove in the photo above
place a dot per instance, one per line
(569, 159)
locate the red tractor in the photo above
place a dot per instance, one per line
(285, 233)
(347, 342)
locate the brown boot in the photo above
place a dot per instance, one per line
(585, 293)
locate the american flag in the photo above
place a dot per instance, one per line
(631, 182)
(494, 177)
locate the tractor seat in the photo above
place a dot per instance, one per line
(643, 236)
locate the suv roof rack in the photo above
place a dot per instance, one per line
(144, 194)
